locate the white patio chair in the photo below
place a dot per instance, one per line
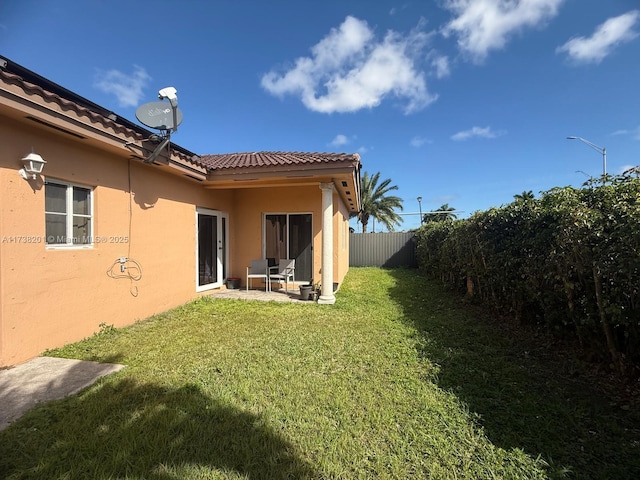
(259, 269)
(283, 272)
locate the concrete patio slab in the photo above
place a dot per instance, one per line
(43, 379)
(280, 295)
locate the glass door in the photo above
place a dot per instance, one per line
(289, 235)
(211, 249)
(301, 244)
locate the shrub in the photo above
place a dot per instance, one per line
(568, 260)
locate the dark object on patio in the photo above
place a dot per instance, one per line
(233, 283)
(305, 292)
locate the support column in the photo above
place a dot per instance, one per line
(326, 294)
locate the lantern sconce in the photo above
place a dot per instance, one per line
(33, 165)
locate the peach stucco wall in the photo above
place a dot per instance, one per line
(252, 204)
(53, 296)
(49, 297)
(341, 240)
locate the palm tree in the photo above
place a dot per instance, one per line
(377, 204)
(524, 197)
(445, 212)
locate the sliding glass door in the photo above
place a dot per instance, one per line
(289, 235)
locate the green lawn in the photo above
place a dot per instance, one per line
(396, 380)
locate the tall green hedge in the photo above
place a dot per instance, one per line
(569, 260)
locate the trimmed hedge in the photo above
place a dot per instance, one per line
(569, 260)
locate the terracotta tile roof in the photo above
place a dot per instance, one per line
(33, 89)
(271, 159)
(33, 84)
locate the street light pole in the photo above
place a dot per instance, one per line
(420, 205)
(601, 150)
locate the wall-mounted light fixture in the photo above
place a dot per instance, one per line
(33, 165)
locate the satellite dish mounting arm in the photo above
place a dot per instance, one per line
(165, 141)
(170, 93)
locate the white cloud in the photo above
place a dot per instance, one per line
(339, 140)
(363, 149)
(441, 64)
(634, 133)
(485, 25)
(128, 89)
(395, 10)
(481, 132)
(418, 141)
(605, 38)
(350, 70)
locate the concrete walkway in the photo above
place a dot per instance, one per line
(43, 379)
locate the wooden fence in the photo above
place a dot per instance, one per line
(389, 249)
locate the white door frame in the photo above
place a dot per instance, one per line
(221, 249)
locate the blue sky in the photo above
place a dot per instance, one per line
(465, 102)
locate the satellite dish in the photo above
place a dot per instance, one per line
(158, 115)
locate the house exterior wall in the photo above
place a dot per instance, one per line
(52, 296)
(341, 240)
(250, 206)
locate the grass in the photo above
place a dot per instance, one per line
(396, 380)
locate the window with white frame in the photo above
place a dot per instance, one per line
(69, 214)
